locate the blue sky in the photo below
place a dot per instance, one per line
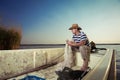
(47, 21)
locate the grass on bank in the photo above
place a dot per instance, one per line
(10, 38)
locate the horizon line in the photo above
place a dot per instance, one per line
(64, 44)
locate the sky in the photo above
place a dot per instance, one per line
(47, 21)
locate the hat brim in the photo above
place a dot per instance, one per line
(75, 28)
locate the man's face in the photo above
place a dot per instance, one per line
(74, 31)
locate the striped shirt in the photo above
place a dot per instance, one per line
(80, 37)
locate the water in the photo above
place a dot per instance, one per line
(116, 47)
(36, 46)
(39, 46)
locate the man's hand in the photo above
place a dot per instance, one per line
(70, 43)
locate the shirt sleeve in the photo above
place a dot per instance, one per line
(83, 36)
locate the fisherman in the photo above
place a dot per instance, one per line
(80, 43)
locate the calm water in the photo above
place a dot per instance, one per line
(37, 46)
(116, 47)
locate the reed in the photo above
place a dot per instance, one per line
(10, 38)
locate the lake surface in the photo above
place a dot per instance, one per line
(37, 46)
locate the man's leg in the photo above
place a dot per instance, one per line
(85, 54)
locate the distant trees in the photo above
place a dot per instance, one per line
(10, 38)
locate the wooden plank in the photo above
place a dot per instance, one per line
(101, 70)
(32, 70)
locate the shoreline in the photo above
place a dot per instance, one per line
(64, 44)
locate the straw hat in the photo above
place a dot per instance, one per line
(75, 26)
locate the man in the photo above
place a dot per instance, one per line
(80, 43)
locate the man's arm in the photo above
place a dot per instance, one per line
(76, 44)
